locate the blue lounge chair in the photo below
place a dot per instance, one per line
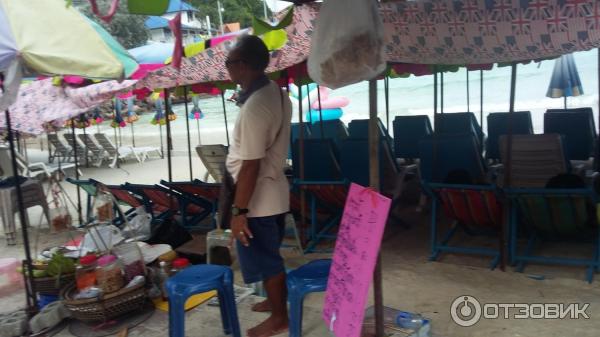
(578, 128)
(546, 213)
(359, 129)
(459, 122)
(295, 135)
(475, 208)
(499, 123)
(408, 132)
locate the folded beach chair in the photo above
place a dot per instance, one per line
(191, 209)
(499, 123)
(474, 208)
(326, 187)
(578, 128)
(122, 152)
(197, 188)
(534, 159)
(458, 123)
(554, 214)
(213, 157)
(61, 151)
(98, 152)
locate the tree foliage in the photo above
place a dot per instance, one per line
(240, 11)
(127, 28)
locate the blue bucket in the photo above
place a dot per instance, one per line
(44, 300)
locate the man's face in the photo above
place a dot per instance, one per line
(235, 66)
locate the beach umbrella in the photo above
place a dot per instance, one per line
(196, 114)
(132, 117)
(565, 80)
(159, 119)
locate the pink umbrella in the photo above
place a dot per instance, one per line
(41, 102)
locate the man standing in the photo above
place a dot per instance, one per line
(256, 161)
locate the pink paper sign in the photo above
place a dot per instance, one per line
(354, 258)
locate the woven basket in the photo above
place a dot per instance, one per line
(50, 285)
(105, 308)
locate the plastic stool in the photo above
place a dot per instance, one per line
(309, 278)
(198, 279)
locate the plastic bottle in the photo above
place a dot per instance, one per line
(408, 320)
(163, 275)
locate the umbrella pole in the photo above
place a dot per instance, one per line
(162, 148)
(75, 156)
(198, 128)
(132, 135)
(30, 293)
(468, 94)
(386, 84)
(435, 99)
(225, 116)
(441, 92)
(169, 140)
(117, 144)
(597, 161)
(308, 111)
(187, 128)
(565, 102)
(301, 171)
(374, 183)
(481, 100)
(320, 112)
(87, 158)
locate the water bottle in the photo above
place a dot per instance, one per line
(408, 320)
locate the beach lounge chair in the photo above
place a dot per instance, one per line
(534, 159)
(578, 128)
(84, 155)
(90, 187)
(359, 129)
(213, 157)
(554, 214)
(197, 188)
(498, 125)
(33, 170)
(295, 135)
(474, 208)
(191, 209)
(458, 123)
(122, 152)
(98, 152)
(408, 132)
(61, 151)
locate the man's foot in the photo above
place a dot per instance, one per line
(263, 306)
(270, 327)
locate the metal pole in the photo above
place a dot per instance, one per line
(117, 145)
(320, 113)
(30, 297)
(435, 99)
(386, 84)
(481, 100)
(301, 163)
(160, 135)
(132, 135)
(374, 183)
(75, 155)
(220, 9)
(309, 111)
(225, 116)
(597, 158)
(442, 92)
(87, 158)
(169, 140)
(187, 127)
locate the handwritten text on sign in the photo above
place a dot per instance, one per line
(354, 258)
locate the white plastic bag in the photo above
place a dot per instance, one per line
(138, 227)
(347, 45)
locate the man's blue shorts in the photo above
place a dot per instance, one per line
(261, 259)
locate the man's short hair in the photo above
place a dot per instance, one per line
(253, 51)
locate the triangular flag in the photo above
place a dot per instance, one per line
(175, 25)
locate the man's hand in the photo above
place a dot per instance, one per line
(240, 230)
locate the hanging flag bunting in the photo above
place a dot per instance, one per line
(175, 25)
(147, 7)
(111, 11)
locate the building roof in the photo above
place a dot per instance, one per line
(179, 6)
(157, 22)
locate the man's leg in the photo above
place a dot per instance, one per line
(277, 298)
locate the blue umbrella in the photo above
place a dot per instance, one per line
(565, 80)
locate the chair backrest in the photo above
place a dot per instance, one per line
(578, 127)
(5, 162)
(458, 122)
(89, 143)
(209, 191)
(359, 129)
(213, 157)
(57, 143)
(333, 129)
(320, 160)
(295, 134)
(355, 159)
(105, 142)
(534, 159)
(408, 132)
(556, 213)
(442, 154)
(498, 125)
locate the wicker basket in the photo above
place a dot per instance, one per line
(51, 285)
(105, 308)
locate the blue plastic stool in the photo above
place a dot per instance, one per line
(309, 278)
(198, 279)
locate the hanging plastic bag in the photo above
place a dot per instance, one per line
(347, 45)
(139, 225)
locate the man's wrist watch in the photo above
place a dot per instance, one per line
(235, 211)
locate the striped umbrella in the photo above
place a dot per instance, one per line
(565, 80)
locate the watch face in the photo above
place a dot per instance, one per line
(235, 211)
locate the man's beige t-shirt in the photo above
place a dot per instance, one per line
(262, 131)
